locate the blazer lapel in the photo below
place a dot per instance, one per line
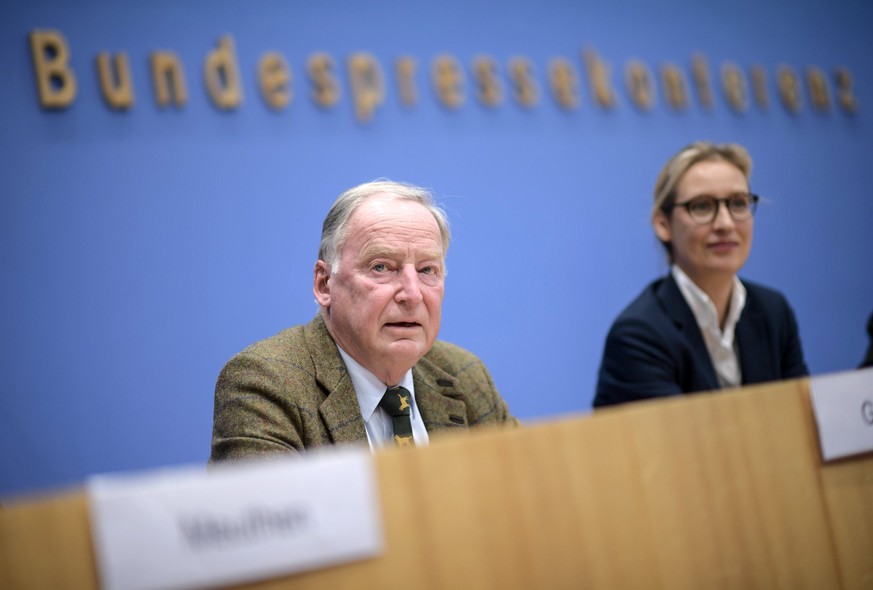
(680, 313)
(438, 398)
(751, 337)
(340, 410)
(441, 404)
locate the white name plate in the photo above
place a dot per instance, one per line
(233, 523)
(843, 406)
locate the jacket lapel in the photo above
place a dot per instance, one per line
(751, 338)
(340, 410)
(677, 309)
(438, 398)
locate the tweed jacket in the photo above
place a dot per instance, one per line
(293, 392)
(655, 347)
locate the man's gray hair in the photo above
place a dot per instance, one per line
(335, 230)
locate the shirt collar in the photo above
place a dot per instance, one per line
(703, 308)
(369, 389)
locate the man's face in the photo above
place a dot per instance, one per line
(384, 303)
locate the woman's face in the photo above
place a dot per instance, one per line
(714, 250)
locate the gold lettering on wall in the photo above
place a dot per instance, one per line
(598, 77)
(222, 75)
(789, 88)
(639, 85)
(325, 88)
(405, 68)
(274, 77)
(115, 82)
(368, 89)
(846, 91)
(524, 87)
(734, 86)
(448, 81)
(168, 79)
(759, 86)
(564, 83)
(700, 75)
(489, 91)
(55, 81)
(675, 91)
(818, 89)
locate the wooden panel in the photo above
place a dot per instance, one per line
(731, 481)
(47, 544)
(711, 491)
(848, 492)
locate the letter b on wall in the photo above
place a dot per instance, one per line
(55, 80)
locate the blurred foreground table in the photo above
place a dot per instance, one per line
(723, 490)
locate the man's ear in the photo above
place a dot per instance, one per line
(661, 225)
(320, 286)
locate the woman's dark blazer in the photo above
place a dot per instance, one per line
(655, 348)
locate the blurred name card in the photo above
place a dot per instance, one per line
(843, 406)
(233, 523)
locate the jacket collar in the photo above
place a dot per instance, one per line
(755, 355)
(339, 410)
(439, 397)
(437, 394)
(672, 301)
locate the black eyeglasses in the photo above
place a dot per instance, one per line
(704, 209)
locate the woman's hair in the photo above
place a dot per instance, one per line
(700, 151)
(336, 224)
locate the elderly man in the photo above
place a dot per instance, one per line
(368, 368)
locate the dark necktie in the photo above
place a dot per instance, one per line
(396, 403)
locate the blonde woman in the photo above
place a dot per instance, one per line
(701, 327)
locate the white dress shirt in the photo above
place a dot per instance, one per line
(369, 390)
(720, 344)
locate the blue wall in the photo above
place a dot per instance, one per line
(140, 250)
